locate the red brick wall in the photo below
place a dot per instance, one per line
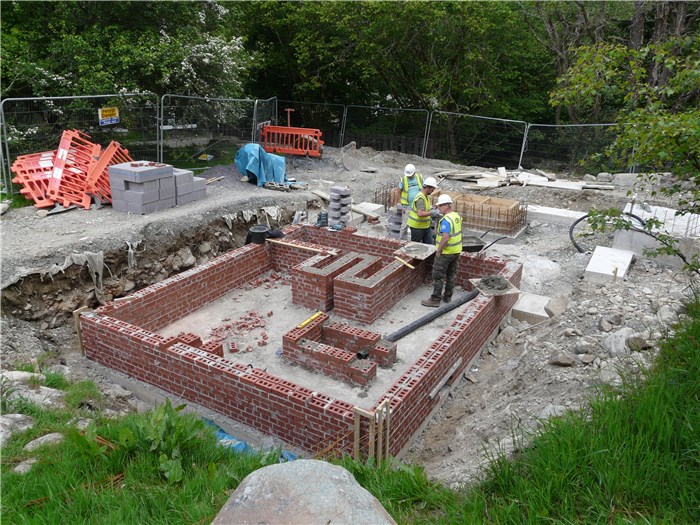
(271, 404)
(167, 301)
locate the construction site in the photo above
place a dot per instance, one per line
(316, 336)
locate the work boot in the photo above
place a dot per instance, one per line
(430, 302)
(447, 298)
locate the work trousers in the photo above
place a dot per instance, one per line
(444, 273)
(403, 234)
(424, 235)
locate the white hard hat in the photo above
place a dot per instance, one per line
(444, 199)
(409, 170)
(430, 181)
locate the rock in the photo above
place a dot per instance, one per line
(17, 376)
(203, 248)
(609, 375)
(507, 336)
(556, 305)
(304, 491)
(42, 396)
(614, 319)
(572, 332)
(604, 325)
(42, 213)
(118, 392)
(12, 423)
(615, 344)
(637, 344)
(584, 347)
(551, 411)
(667, 315)
(562, 359)
(185, 255)
(604, 177)
(49, 439)
(586, 359)
(25, 466)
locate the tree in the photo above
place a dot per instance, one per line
(85, 48)
(657, 87)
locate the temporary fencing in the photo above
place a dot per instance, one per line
(291, 141)
(183, 129)
(31, 125)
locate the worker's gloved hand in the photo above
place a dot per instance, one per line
(434, 213)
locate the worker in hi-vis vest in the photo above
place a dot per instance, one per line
(411, 183)
(421, 213)
(448, 248)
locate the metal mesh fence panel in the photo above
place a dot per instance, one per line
(477, 141)
(265, 113)
(573, 148)
(326, 117)
(33, 125)
(199, 131)
(386, 129)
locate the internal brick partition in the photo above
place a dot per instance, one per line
(122, 335)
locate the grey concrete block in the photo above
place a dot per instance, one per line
(166, 182)
(118, 194)
(117, 183)
(143, 187)
(183, 176)
(140, 171)
(199, 183)
(170, 202)
(341, 191)
(166, 193)
(185, 198)
(119, 205)
(141, 198)
(183, 189)
(199, 194)
(334, 206)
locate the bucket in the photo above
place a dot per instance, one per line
(258, 233)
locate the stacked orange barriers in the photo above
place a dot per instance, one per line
(72, 175)
(292, 141)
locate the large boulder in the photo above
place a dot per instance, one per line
(304, 492)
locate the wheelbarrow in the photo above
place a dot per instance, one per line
(472, 243)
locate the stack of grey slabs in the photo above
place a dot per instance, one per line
(339, 207)
(141, 187)
(188, 188)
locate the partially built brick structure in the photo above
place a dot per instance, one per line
(341, 273)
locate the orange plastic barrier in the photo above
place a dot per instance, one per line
(97, 182)
(33, 172)
(74, 158)
(293, 141)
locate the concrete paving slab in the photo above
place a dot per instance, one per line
(607, 265)
(530, 308)
(552, 215)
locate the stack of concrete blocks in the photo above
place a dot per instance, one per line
(145, 187)
(393, 223)
(339, 207)
(188, 188)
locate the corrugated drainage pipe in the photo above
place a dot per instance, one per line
(404, 331)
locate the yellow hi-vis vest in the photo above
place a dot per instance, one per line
(454, 244)
(404, 187)
(415, 220)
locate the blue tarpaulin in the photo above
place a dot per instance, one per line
(260, 166)
(225, 439)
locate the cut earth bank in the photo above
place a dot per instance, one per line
(53, 264)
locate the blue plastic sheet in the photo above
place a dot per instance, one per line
(260, 166)
(227, 440)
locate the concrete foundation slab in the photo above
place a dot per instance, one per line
(607, 265)
(552, 215)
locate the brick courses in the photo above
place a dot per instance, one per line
(121, 335)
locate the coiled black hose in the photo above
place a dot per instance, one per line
(575, 223)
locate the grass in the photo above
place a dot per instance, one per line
(632, 456)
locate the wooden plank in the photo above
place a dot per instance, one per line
(76, 319)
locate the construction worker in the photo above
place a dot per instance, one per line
(411, 183)
(448, 249)
(421, 213)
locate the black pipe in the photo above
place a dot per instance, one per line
(401, 332)
(575, 223)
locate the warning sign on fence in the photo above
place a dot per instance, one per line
(108, 116)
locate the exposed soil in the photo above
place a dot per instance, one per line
(53, 264)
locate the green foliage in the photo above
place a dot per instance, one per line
(72, 48)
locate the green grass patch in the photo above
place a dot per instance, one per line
(631, 456)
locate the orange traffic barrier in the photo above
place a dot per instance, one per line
(33, 172)
(293, 141)
(97, 181)
(74, 157)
